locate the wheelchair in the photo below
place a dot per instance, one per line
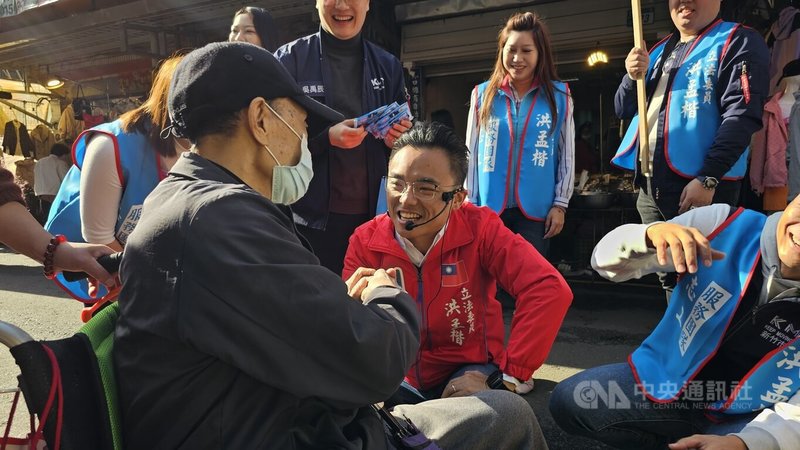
(69, 384)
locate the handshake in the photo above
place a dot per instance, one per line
(364, 280)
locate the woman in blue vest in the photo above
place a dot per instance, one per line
(115, 166)
(521, 135)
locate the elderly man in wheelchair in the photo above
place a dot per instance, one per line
(228, 333)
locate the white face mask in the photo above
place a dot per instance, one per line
(290, 183)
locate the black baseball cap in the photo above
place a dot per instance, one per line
(791, 69)
(224, 77)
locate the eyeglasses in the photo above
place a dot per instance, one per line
(423, 190)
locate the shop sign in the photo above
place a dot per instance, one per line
(415, 94)
(648, 16)
(14, 7)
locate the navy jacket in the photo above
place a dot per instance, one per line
(741, 117)
(383, 83)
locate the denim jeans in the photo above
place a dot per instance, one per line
(531, 230)
(604, 404)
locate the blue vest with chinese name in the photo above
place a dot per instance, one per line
(137, 166)
(537, 162)
(775, 378)
(697, 319)
(692, 113)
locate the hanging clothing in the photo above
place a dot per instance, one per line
(15, 136)
(68, 127)
(3, 117)
(793, 148)
(92, 120)
(768, 149)
(43, 140)
(783, 39)
(775, 198)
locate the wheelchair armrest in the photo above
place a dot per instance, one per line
(12, 335)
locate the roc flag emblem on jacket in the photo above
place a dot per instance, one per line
(454, 274)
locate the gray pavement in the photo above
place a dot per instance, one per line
(604, 324)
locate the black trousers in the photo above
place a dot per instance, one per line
(650, 211)
(666, 207)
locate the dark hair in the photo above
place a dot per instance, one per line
(545, 70)
(223, 123)
(262, 21)
(435, 136)
(152, 117)
(444, 117)
(59, 149)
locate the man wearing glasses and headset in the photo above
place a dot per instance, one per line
(452, 256)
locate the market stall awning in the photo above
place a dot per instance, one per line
(39, 40)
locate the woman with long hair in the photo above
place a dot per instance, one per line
(115, 166)
(254, 25)
(521, 135)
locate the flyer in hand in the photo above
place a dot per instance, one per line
(379, 121)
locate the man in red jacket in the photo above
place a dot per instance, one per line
(452, 256)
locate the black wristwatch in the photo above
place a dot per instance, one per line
(709, 183)
(495, 381)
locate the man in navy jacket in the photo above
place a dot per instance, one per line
(341, 69)
(693, 85)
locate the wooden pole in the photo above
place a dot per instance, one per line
(641, 94)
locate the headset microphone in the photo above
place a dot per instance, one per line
(446, 197)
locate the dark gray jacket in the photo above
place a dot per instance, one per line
(232, 335)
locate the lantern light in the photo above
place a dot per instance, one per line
(597, 57)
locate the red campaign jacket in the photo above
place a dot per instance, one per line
(462, 322)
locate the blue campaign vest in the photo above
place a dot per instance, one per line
(537, 164)
(697, 319)
(776, 378)
(137, 165)
(692, 114)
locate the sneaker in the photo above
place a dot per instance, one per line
(525, 387)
